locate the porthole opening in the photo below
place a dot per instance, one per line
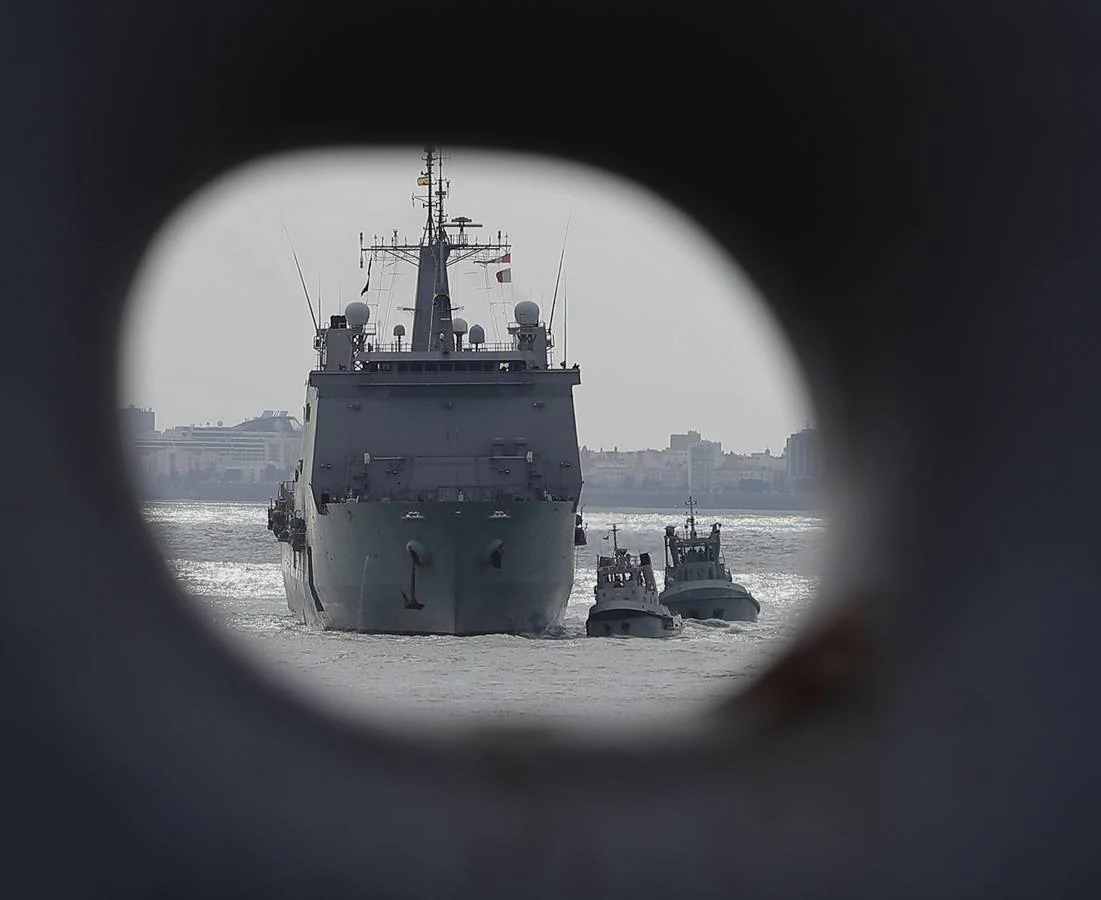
(606, 371)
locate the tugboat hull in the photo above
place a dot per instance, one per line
(632, 623)
(712, 600)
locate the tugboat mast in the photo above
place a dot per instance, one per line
(691, 521)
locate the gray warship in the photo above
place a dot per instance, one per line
(627, 602)
(438, 485)
(697, 583)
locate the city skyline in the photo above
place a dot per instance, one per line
(669, 334)
(615, 448)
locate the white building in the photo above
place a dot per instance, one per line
(265, 448)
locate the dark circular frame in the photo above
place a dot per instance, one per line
(916, 197)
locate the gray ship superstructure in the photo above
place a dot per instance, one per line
(438, 487)
(698, 584)
(626, 596)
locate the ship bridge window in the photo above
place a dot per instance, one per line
(403, 367)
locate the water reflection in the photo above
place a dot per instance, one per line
(224, 556)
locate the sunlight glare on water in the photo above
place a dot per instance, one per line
(226, 559)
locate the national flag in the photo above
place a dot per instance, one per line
(423, 180)
(507, 258)
(505, 276)
(367, 286)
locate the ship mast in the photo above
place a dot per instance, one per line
(429, 236)
(691, 521)
(440, 236)
(432, 309)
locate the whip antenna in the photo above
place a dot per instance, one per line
(301, 278)
(554, 299)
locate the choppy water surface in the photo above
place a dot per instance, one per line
(223, 555)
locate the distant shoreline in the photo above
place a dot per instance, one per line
(741, 500)
(217, 492)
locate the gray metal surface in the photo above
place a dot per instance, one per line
(625, 622)
(439, 480)
(362, 567)
(712, 599)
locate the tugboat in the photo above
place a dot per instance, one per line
(697, 582)
(627, 598)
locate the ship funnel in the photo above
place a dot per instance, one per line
(647, 570)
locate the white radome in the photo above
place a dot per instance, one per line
(527, 312)
(357, 313)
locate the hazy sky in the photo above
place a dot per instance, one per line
(667, 331)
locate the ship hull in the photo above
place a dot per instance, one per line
(712, 600)
(631, 623)
(482, 567)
